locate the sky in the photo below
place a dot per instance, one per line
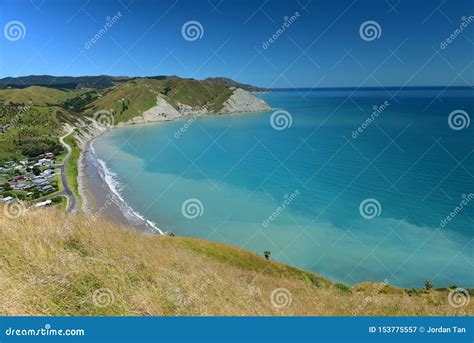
(321, 45)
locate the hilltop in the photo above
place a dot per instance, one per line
(57, 264)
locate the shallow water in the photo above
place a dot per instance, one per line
(298, 191)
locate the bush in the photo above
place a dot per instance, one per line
(428, 285)
(343, 288)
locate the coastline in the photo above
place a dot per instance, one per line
(100, 196)
(97, 185)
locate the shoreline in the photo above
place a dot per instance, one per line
(96, 182)
(101, 199)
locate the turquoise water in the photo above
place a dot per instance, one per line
(311, 179)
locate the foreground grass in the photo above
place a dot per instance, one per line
(71, 166)
(57, 264)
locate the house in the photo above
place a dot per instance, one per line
(5, 170)
(39, 182)
(48, 172)
(46, 189)
(45, 162)
(43, 203)
(19, 178)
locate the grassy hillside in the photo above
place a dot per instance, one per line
(53, 264)
(132, 98)
(38, 96)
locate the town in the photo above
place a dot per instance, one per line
(36, 181)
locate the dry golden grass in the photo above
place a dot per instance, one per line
(57, 264)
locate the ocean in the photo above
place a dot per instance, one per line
(353, 184)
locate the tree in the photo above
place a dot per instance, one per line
(267, 254)
(36, 170)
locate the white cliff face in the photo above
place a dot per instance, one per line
(240, 101)
(162, 111)
(243, 101)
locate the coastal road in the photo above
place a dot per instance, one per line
(67, 192)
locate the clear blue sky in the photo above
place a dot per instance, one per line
(322, 47)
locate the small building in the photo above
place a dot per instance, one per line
(7, 199)
(45, 162)
(49, 155)
(43, 203)
(48, 172)
(39, 182)
(9, 164)
(19, 178)
(46, 189)
(24, 162)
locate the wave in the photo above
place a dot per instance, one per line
(115, 187)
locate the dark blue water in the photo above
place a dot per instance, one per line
(298, 191)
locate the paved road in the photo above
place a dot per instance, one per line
(66, 189)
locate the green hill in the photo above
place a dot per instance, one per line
(38, 96)
(132, 98)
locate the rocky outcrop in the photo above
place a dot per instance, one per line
(240, 101)
(244, 101)
(162, 111)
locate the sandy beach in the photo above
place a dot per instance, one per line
(98, 198)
